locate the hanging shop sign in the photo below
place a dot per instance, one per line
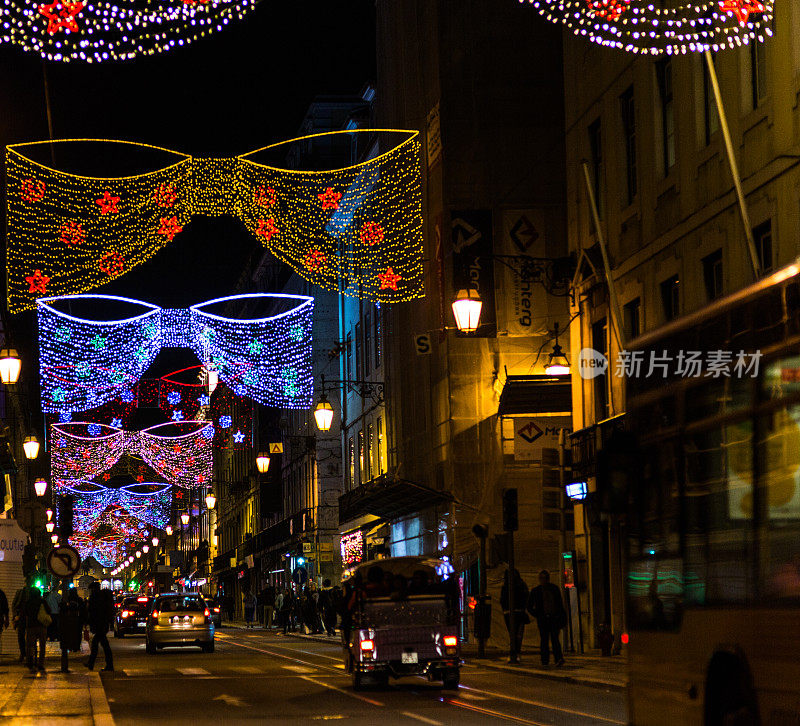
(473, 266)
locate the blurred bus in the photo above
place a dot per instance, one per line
(713, 516)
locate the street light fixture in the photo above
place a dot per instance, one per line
(49, 513)
(185, 518)
(168, 530)
(262, 460)
(559, 363)
(54, 538)
(10, 366)
(211, 500)
(30, 446)
(50, 526)
(40, 485)
(145, 548)
(467, 310)
(154, 541)
(323, 414)
(138, 554)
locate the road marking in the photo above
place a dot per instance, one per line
(137, 672)
(417, 717)
(286, 657)
(473, 697)
(539, 704)
(342, 690)
(490, 712)
(229, 700)
(193, 671)
(298, 669)
(246, 669)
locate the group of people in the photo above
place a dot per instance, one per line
(61, 616)
(544, 604)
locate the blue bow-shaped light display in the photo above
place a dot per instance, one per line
(85, 363)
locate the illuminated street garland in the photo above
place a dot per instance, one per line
(98, 31)
(184, 459)
(355, 230)
(644, 26)
(86, 363)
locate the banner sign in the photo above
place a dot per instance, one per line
(473, 266)
(522, 306)
(532, 434)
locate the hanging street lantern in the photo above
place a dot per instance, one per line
(54, 538)
(211, 500)
(323, 414)
(467, 310)
(49, 513)
(559, 363)
(30, 446)
(262, 460)
(40, 485)
(138, 554)
(10, 366)
(50, 526)
(168, 530)
(155, 541)
(185, 518)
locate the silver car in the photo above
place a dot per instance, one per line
(180, 619)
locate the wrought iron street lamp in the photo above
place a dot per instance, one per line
(50, 526)
(185, 518)
(40, 485)
(211, 500)
(155, 541)
(559, 364)
(145, 548)
(467, 310)
(168, 530)
(54, 538)
(30, 446)
(49, 513)
(262, 460)
(10, 366)
(323, 414)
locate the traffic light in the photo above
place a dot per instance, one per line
(39, 581)
(510, 510)
(301, 561)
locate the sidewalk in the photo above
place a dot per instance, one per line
(587, 670)
(52, 698)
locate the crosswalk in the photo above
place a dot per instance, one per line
(224, 671)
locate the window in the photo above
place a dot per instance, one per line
(370, 450)
(762, 236)
(351, 461)
(629, 137)
(361, 468)
(377, 336)
(367, 343)
(712, 274)
(596, 153)
(632, 313)
(600, 344)
(381, 447)
(664, 77)
(358, 350)
(710, 113)
(670, 299)
(758, 72)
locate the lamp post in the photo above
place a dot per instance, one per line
(262, 460)
(30, 446)
(323, 412)
(467, 310)
(10, 366)
(40, 485)
(211, 500)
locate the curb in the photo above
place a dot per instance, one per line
(101, 712)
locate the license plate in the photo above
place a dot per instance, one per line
(408, 658)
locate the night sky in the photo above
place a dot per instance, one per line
(231, 92)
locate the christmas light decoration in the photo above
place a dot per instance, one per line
(73, 30)
(180, 452)
(352, 547)
(340, 229)
(647, 27)
(77, 372)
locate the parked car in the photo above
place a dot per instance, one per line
(179, 620)
(215, 606)
(131, 617)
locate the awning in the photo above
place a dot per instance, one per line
(389, 498)
(535, 394)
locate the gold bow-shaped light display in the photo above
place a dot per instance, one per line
(356, 229)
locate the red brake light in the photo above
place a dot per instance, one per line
(155, 615)
(125, 613)
(451, 641)
(142, 599)
(624, 638)
(216, 610)
(367, 645)
(206, 612)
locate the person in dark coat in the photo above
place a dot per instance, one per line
(18, 619)
(72, 617)
(520, 617)
(4, 612)
(100, 612)
(35, 630)
(546, 606)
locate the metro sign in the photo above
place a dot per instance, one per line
(530, 432)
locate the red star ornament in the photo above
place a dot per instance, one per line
(73, 233)
(265, 196)
(37, 282)
(108, 203)
(315, 259)
(267, 229)
(164, 195)
(742, 8)
(140, 478)
(608, 9)
(32, 190)
(169, 227)
(112, 263)
(389, 279)
(61, 15)
(371, 233)
(330, 199)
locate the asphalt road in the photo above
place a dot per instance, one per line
(258, 676)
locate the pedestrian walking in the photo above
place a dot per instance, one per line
(546, 606)
(521, 618)
(268, 605)
(72, 617)
(286, 607)
(18, 619)
(327, 607)
(53, 600)
(4, 612)
(100, 615)
(37, 619)
(249, 603)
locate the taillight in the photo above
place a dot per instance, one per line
(625, 638)
(141, 599)
(155, 615)
(451, 641)
(216, 610)
(367, 645)
(125, 613)
(207, 612)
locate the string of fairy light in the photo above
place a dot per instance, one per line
(646, 27)
(355, 230)
(86, 363)
(96, 31)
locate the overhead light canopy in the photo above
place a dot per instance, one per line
(262, 460)
(323, 413)
(30, 446)
(467, 310)
(10, 366)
